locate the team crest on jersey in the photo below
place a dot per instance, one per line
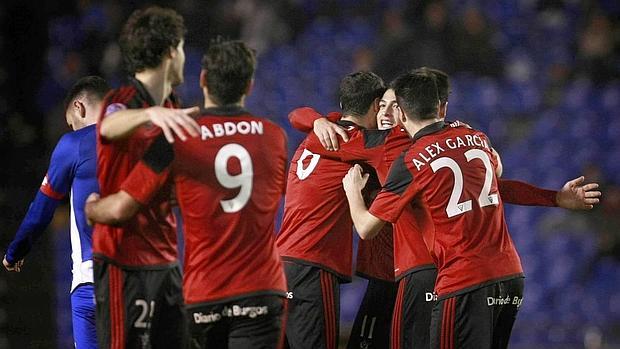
(114, 107)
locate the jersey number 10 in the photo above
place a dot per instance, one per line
(484, 199)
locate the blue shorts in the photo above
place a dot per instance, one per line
(83, 314)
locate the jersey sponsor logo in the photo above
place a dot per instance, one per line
(233, 311)
(231, 129)
(114, 107)
(516, 300)
(430, 296)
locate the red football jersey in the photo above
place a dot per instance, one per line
(381, 256)
(149, 238)
(317, 227)
(450, 172)
(228, 185)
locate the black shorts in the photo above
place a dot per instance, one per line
(480, 319)
(139, 308)
(412, 312)
(246, 323)
(314, 307)
(371, 328)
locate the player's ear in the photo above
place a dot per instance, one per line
(80, 108)
(249, 88)
(375, 105)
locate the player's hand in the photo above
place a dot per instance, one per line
(328, 132)
(355, 181)
(17, 267)
(88, 207)
(177, 122)
(575, 195)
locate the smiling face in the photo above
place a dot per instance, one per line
(388, 114)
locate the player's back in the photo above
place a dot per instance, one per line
(454, 169)
(228, 183)
(316, 227)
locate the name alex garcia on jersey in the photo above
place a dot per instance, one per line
(231, 128)
(436, 148)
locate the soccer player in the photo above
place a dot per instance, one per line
(315, 239)
(411, 318)
(137, 275)
(228, 185)
(443, 173)
(71, 172)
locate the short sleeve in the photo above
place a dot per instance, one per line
(151, 173)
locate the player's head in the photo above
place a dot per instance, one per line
(417, 97)
(359, 95)
(443, 88)
(227, 71)
(153, 38)
(389, 113)
(83, 102)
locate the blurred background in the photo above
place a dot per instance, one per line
(541, 78)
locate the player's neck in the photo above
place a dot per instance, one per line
(210, 103)
(156, 83)
(413, 126)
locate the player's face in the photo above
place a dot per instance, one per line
(388, 111)
(178, 63)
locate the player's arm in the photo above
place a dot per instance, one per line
(137, 190)
(120, 124)
(113, 209)
(307, 119)
(41, 211)
(499, 168)
(366, 225)
(574, 195)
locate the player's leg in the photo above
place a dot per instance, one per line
(83, 316)
(257, 323)
(371, 328)
(169, 323)
(208, 328)
(110, 316)
(313, 308)
(417, 305)
(513, 291)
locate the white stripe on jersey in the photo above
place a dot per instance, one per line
(82, 270)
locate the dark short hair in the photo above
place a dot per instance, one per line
(416, 93)
(442, 80)
(230, 67)
(358, 91)
(148, 35)
(93, 87)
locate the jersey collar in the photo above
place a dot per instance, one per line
(427, 130)
(142, 90)
(347, 123)
(225, 110)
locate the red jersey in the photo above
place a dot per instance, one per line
(149, 238)
(228, 185)
(317, 227)
(450, 173)
(388, 256)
